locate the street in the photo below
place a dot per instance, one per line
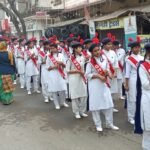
(31, 124)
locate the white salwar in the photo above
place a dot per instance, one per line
(21, 65)
(111, 55)
(121, 58)
(99, 94)
(31, 71)
(145, 107)
(131, 74)
(56, 83)
(77, 87)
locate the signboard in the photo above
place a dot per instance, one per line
(5, 25)
(130, 28)
(74, 3)
(92, 28)
(110, 24)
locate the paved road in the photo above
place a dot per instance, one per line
(30, 124)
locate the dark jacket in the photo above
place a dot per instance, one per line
(5, 65)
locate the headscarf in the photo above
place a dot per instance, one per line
(3, 48)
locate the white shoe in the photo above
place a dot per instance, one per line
(38, 92)
(99, 129)
(77, 116)
(131, 121)
(112, 127)
(122, 98)
(115, 110)
(29, 92)
(84, 115)
(15, 82)
(57, 107)
(66, 105)
(46, 100)
(22, 87)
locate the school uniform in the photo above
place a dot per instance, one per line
(77, 87)
(21, 64)
(131, 74)
(56, 83)
(100, 99)
(32, 70)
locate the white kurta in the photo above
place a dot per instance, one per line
(20, 61)
(31, 68)
(77, 86)
(56, 82)
(111, 55)
(99, 93)
(131, 74)
(121, 58)
(145, 99)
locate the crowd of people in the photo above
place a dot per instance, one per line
(86, 72)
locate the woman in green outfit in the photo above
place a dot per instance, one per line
(7, 71)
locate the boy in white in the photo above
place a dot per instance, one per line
(32, 70)
(56, 77)
(121, 58)
(131, 78)
(21, 62)
(43, 53)
(77, 81)
(113, 65)
(100, 99)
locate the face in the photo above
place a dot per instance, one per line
(31, 45)
(15, 42)
(88, 45)
(108, 46)
(62, 44)
(78, 50)
(96, 52)
(136, 49)
(23, 42)
(47, 46)
(53, 49)
(41, 44)
(115, 47)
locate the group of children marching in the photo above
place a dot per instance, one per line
(87, 71)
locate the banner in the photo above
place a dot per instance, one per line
(145, 39)
(92, 29)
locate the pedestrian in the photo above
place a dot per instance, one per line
(142, 118)
(56, 77)
(77, 81)
(113, 65)
(32, 69)
(100, 99)
(7, 71)
(131, 78)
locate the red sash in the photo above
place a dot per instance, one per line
(42, 54)
(67, 52)
(120, 66)
(78, 66)
(34, 60)
(110, 65)
(146, 66)
(85, 54)
(55, 63)
(99, 69)
(133, 61)
(21, 52)
(12, 49)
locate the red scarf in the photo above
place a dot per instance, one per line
(146, 65)
(99, 69)
(34, 60)
(55, 63)
(133, 61)
(110, 65)
(78, 67)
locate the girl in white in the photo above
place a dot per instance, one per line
(43, 53)
(56, 77)
(131, 78)
(113, 65)
(100, 99)
(77, 81)
(142, 125)
(32, 70)
(21, 62)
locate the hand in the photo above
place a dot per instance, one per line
(60, 62)
(102, 78)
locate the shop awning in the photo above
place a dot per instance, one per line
(115, 14)
(65, 23)
(143, 9)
